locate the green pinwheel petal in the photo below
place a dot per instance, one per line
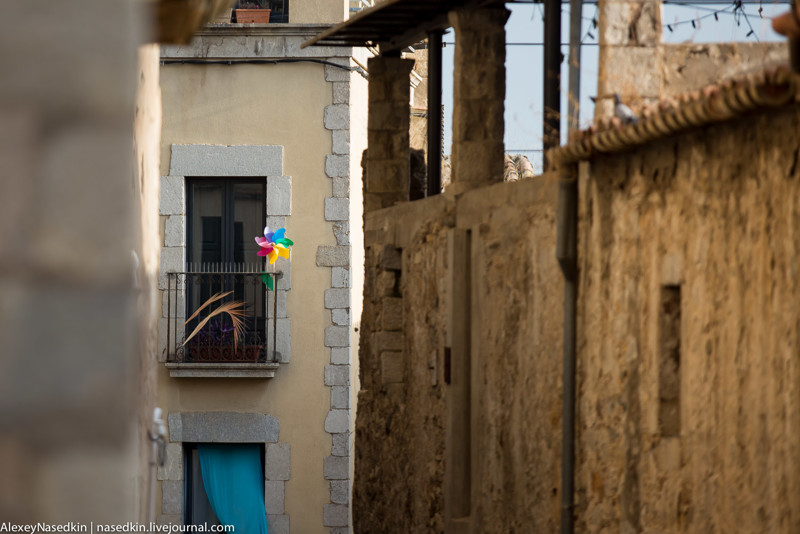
(285, 241)
(267, 279)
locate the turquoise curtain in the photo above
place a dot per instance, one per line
(235, 485)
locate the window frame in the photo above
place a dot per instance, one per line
(228, 200)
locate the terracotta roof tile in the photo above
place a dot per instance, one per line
(712, 104)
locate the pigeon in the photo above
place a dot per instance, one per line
(623, 112)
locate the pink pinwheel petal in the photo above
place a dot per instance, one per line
(262, 252)
(261, 240)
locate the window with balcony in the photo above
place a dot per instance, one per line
(222, 218)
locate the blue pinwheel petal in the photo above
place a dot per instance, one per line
(279, 234)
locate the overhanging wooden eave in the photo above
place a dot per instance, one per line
(393, 24)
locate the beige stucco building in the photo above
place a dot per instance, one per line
(258, 132)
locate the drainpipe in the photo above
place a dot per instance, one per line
(567, 255)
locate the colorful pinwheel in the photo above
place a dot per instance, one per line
(273, 245)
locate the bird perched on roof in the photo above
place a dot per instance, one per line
(623, 112)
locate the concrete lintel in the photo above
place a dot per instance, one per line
(223, 427)
(224, 160)
(248, 41)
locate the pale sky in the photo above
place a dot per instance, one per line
(524, 64)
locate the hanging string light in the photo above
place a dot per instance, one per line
(589, 33)
(736, 8)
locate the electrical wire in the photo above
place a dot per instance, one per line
(738, 7)
(530, 44)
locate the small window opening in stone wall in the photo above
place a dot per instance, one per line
(669, 347)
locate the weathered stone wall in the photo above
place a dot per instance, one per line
(688, 389)
(517, 293)
(400, 425)
(688, 334)
(515, 335)
(688, 67)
(629, 34)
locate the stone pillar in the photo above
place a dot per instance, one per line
(387, 174)
(629, 58)
(479, 88)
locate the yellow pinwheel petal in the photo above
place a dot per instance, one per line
(273, 256)
(284, 252)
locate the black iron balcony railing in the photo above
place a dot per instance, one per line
(217, 340)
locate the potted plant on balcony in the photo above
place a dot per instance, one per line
(253, 12)
(213, 340)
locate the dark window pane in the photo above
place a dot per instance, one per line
(249, 203)
(248, 216)
(206, 222)
(280, 10)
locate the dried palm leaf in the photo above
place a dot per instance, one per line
(213, 298)
(234, 310)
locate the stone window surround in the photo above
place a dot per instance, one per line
(226, 427)
(198, 160)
